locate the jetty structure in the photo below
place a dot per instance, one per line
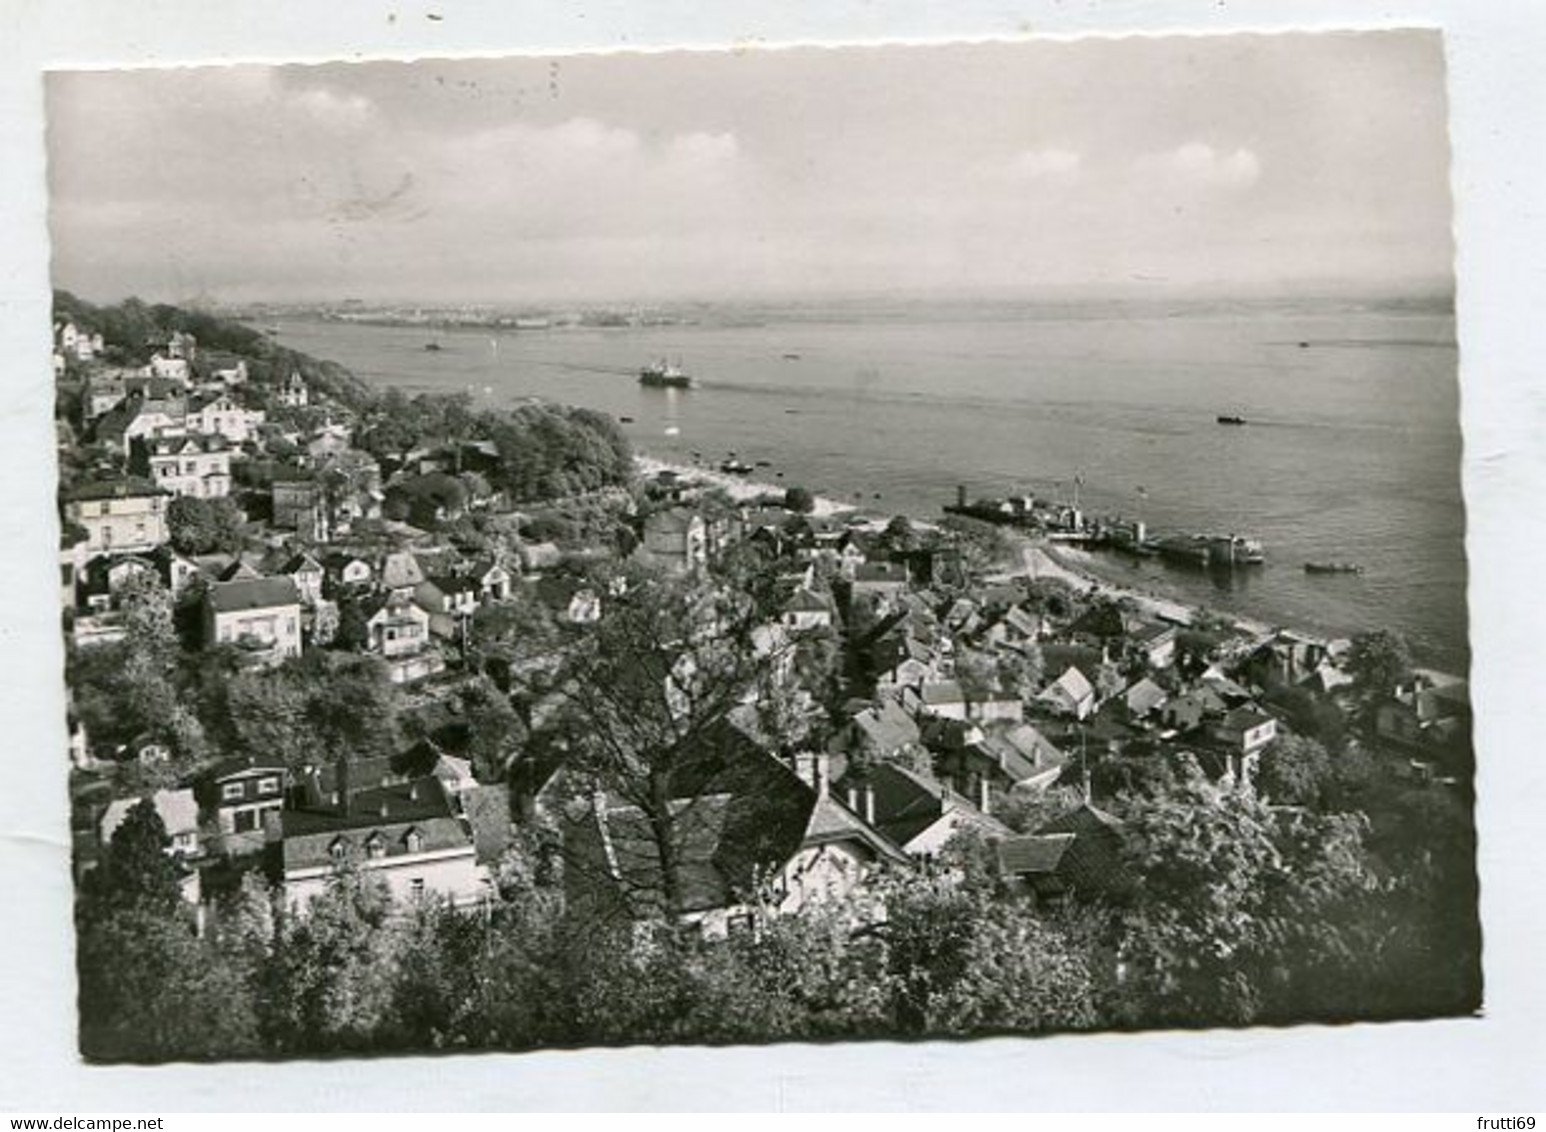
(1068, 523)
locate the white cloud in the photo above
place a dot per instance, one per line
(1046, 164)
(703, 148)
(328, 109)
(1197, 163)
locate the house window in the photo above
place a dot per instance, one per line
(415, 841)
(417, 885)
(268, 785)
(739, 923)
(338, 850)
(246, 821)
(376, 848)
(232, 791)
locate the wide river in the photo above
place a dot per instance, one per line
(1351, 452)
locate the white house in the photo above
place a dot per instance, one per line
(259, 615)
(179, 812)
(1070, 694)
(406, 834)
(197, 466)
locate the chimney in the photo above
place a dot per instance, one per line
(869, 803)
(853, 799)
(820, 766)
(960, 495)
(384, 807)
(984, 797)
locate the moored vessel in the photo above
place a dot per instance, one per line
(664, 375)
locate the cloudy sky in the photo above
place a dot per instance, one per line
(1226, 162)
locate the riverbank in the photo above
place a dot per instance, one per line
(1042, 560)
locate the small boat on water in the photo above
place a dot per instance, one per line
(1223, 419)
(736, 468)
(664, 375)
(1332, 568)
(433, 347)
(625, 420)
(791, 357)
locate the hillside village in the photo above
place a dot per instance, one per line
(320, 637)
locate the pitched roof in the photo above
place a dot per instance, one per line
(1094, 861)
(880, 572)
(128, 488)
(1033, 854)
(251, 593)
(1246, 717)
(308, 844)
(299, 562)
(1073, 684)
(673, 520)
(400, 570)
(740, 814)
(488, 812)
(906, 803)
(241, 764)
(1022, 752)
(1153, 633)
(1103, 620)
(804, 601)
(188, 441)
(887, 726)
(1143, 696)
(943, 692)
(178, 809)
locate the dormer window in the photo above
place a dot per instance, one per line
(339, 849)
(414, 841)
(375, 848)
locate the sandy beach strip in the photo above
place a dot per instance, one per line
(739, 488)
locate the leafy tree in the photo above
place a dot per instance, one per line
(1230, 902)
(1295, 770)
(800, 500)
(136, 871)
(900, 537)
(353, 632)
(1379, 661)
(351, 705)
(327, 986)
(426, 500)
(644, 694)
(150, 990)
(1022, 670)
(204, 526)
(1052, 596)
(437, 990)
(962, 963)
(1309, 714)
(492, 728)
